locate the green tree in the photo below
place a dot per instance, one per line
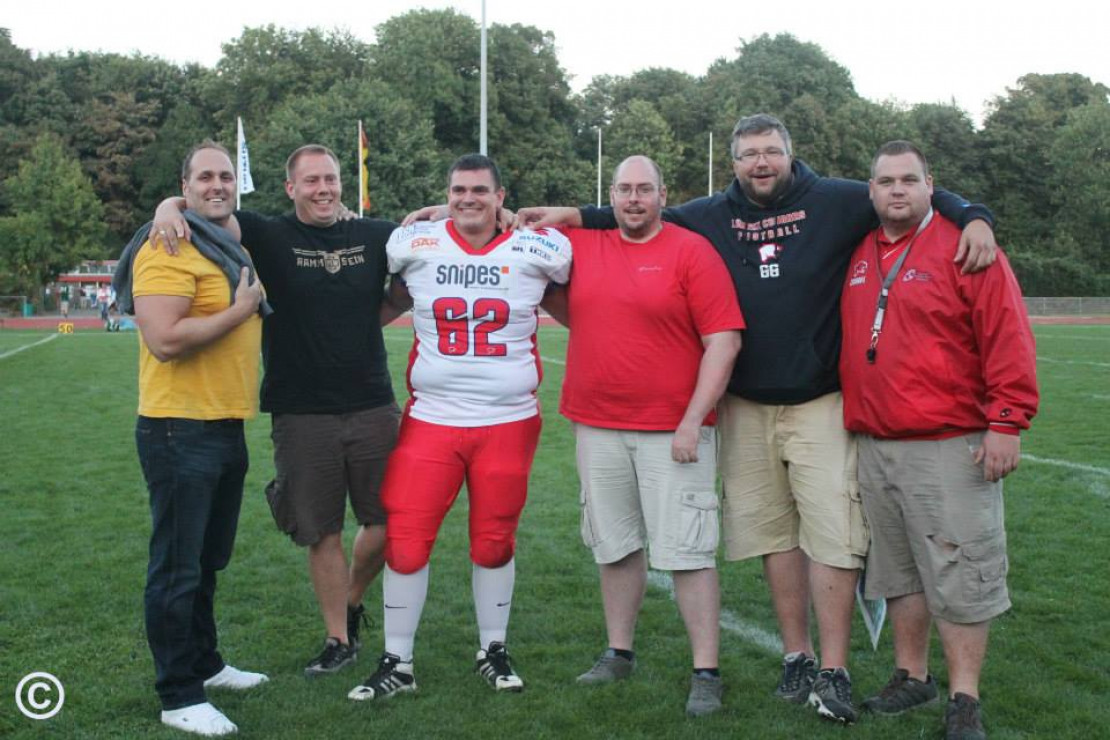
(57, 219)
(1014, 152)
(769, 74)
(532, 119)
(115, 130)
(266, 66)
(406, 168)
(640, 129)
(1080, 157)
(947, 136)
(676, 97)
(433, 56)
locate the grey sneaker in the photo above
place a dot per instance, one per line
(705, 695)
(333, 658)
(494, 666)
(356, 617)
(608, 668)
(832, 695)
(963, 719)
(798, 674)
(902, 694)
(392, 677)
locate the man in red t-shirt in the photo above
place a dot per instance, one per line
(655, 328)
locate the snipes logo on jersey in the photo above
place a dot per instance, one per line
(495, 277)
(333, 262)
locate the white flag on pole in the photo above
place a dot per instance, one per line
(246, 184)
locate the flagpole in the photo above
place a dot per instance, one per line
(710, 163)
(599, 166)
(483, 139)
(361, 169)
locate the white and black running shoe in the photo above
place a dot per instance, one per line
(494, 666)
(392, 677)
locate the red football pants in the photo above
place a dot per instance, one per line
(425, 474)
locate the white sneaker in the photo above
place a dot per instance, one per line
(202, 719)
(231, 677)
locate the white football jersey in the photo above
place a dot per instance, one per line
(474, 360)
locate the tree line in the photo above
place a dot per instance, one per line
(91, 142)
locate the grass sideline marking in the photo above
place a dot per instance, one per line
(17, 350)
(1042, 358)
(729, 621)
(1073, 336)
(1067, 464)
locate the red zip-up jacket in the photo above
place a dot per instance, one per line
(956, 352)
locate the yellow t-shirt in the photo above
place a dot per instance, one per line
(219, 381)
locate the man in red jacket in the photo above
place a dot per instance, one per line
(939, 377)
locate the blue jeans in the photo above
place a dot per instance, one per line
(194, 472)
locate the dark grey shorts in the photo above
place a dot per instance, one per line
(320, 459)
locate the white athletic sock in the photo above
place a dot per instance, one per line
(231, 677)
(493, 598)
(403, 602)
(203, 719)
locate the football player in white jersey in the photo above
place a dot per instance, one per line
(473, 373)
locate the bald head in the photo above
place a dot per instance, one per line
(640, 159)
(638, 197)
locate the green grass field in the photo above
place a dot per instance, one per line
(74, 528)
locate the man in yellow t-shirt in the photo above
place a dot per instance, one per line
(198, 381)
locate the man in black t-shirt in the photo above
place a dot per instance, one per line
(326, 384)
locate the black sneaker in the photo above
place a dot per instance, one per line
(832, 695)
(335, 657)
(902, 694)
(494, 666)
(798, 673)
(963, 719)
(356, 617)
(392, 677)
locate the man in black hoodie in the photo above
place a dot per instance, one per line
(788, 467)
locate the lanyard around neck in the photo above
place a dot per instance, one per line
(884, 292)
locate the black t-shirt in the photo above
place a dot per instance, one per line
(322, 348)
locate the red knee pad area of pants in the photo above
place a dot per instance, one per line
(426, 472)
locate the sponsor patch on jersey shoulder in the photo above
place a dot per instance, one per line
(539, 239)
(423, 242)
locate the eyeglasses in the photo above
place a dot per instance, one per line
(644, 190)
(751, 156)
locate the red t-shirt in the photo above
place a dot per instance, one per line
(637, 314)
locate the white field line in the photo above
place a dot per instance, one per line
(17, 350)
(1041, 358)
(1067, 464)
(1073, 336)
(729, 621)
